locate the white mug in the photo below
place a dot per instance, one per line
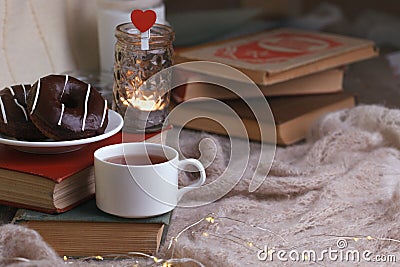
(137, 191)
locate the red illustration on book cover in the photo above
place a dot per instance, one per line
(277, 48)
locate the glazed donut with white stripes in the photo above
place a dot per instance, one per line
(65, 108)
(14, 117)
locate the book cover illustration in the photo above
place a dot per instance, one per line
(277, 50)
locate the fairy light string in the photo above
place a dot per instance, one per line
(202, 225)
(212, 218)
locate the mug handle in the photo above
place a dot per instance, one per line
(196, 184)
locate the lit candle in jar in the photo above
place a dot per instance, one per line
(145, 114)
(143, 97)
(146, 105)
(145, 101)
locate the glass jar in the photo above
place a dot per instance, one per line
(148, 103)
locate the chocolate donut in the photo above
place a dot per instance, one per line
(14, 118)
(65, 108)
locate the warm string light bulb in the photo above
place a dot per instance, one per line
(99, 258)
(210, 219)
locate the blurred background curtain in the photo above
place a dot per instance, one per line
(38, 37)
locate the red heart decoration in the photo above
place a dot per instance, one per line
(143, 20)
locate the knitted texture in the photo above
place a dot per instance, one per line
(339, 190)
(343, 183)
(21, 242)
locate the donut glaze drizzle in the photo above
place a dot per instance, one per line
(3, 111)
(11, 91)
(61, 114)
(65, 84)
(104, 113)
(16, 101)
(62, 104)
(36, 98)
(86, 108)
(22, 108)
(23, 88)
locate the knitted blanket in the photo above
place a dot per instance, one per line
(333, 200)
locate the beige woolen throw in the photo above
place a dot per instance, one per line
(338, 191)
(344, 182)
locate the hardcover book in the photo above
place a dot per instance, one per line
(53, 183)
(329, 81)
(87, 231)
(282, 54)
(48, 183)
(293, 115)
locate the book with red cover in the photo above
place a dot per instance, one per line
(279, 55)
(52, 183)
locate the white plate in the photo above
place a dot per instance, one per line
(115, 123)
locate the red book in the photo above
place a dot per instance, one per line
(51, 183)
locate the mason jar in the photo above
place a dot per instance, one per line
(147, 102)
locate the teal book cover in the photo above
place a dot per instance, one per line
(86, 212)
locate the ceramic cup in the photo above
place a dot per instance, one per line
(136, 191)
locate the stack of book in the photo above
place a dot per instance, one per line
(55, 196)
(300, 73)
(86, 231)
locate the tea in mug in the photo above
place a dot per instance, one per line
(137, 159)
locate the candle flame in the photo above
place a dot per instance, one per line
(145, 100)
(144, 104)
